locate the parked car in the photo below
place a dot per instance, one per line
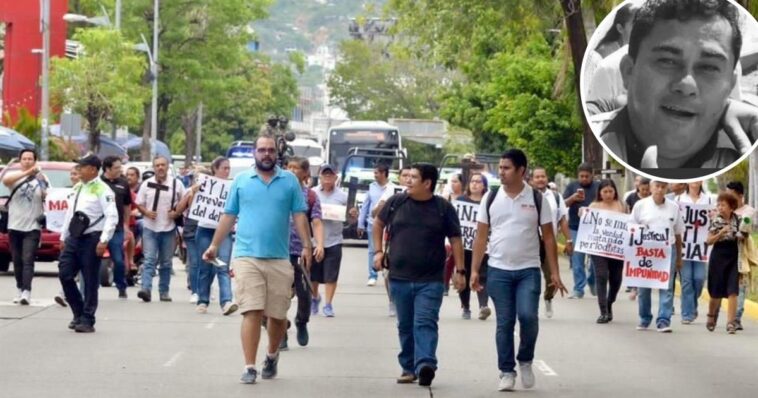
(59, 175)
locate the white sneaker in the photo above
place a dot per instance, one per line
(201, 308)
(507, 381)
(26, 298)
(549, 308)
(393, 310)
(193, 298)
(527, 376)
(229, 308)
(17, 298)
(371, 282)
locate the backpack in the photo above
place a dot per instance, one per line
(395, 202)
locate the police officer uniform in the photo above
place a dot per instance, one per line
(91, 204)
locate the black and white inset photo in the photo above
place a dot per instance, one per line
(670, 87)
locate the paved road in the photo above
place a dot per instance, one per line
(167, 350)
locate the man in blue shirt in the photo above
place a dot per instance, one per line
(366, 220)
(262, 200)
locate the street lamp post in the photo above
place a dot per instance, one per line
(154, 73)
(45, 105)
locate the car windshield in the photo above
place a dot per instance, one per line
(58, 179)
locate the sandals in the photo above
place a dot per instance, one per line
(711, 323)
(731, 328)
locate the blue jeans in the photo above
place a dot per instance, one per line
(418, 311)
(116, 249)
(204, 237)
(665, 300)
(371, 270)
(158, 248)
(193, 263)
(693, 279)
(515, 294)
(581, 279)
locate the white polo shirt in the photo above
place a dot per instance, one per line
(666, 215)
(514, 241)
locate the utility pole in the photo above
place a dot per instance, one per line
(118, 14)
(198, 130)
(154, 72)
(45, 111)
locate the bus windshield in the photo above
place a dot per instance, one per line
(341, 142)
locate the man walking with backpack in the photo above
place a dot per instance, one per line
(418, 223)
(516, 214)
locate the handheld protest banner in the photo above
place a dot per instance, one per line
(647, 258)
(209, 201)
(602, 233)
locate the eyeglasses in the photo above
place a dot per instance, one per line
(265, 150)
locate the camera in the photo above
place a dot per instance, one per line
(277, 127)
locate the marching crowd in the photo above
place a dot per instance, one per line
(279, 239)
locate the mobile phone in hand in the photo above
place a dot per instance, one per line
(217, 262)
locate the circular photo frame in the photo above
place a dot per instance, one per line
(670, 87)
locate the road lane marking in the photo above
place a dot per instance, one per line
(171, 362)
(546, 370)
(210, 324)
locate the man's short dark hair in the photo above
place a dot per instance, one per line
(683, 10)
(383, 168)
(267, 136)
(428, 172)
(300, 161)
(25, 150)
(109, 161)
(160, 157)
(516, 156)
(135, 170)
(737, 187)
(644, 181)
(586, 166)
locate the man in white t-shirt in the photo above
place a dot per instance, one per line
(658, 211)
(743, 210)
(516, 214)
(559, 213)
(158, 200)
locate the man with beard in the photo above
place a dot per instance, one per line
(262, 200)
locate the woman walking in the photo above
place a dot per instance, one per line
(692, 273)
(608, 271)
(723, 235)
(475, 191)
(220, 169)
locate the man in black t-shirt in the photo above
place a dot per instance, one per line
(578, 194)
(418, 223)
(643, 191)
(112, 176)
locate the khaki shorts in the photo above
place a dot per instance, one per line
(263, 284)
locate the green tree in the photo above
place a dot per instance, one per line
(103, 84)
(374, 83)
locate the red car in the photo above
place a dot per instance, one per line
(59, 175)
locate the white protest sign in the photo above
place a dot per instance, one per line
(208, 204)
(647, 259)
(467, 218)
(695, 231)
(333, 212)
(602, 233)
(56, 205)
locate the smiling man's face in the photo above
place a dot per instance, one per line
(678, 85)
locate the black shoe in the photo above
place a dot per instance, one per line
(609, 316)
(60, 300)
(283, 344)
(302, 334)
(165, 297)
(84, 328)
(73, 323)
(122, 294)
(738, 324)
(602, 319)
(270, 367)
(425, 376)
(145, 295)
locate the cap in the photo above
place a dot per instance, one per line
(327, 167)
(90, 160)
